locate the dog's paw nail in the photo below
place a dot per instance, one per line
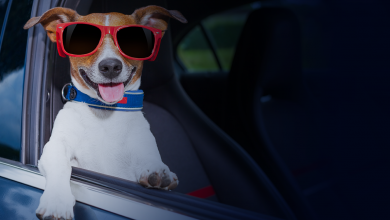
(39, 216)
(40, 213)
(173, 185)
(144, 181)
(165, 181)
(49, 218)
(161, 178)
(154, 179)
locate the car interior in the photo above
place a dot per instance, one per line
(197, 150)
(273, 109)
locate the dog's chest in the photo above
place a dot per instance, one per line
(110, 140)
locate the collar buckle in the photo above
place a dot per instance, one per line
(64, 99)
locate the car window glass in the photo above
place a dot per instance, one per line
(195, 53)
(3, 10)
(224, 30)
(13, 43)
(221, 32)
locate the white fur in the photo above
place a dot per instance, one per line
(107, 23)
(110, 142)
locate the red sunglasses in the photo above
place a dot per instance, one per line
(80, 39)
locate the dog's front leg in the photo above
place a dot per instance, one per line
(57, 200)
(151, 172)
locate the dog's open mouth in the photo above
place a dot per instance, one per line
(109, 92)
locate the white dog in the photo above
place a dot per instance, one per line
(117, 143)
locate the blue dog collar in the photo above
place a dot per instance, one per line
(132, 100)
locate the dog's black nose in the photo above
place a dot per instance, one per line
(110, 67)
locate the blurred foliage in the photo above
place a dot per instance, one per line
(224, 30)
(194, 40)
(13, 46)
(195, 54)
(198, 60)
(226, 57)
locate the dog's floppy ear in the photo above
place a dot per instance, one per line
(156, 16)
(51, 18)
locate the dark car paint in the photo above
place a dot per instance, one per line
(19, 201)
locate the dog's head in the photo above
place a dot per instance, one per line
(106, 74)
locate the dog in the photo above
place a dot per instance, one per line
(117, 143)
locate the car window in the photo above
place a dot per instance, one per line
(13, 41)
(224, 30)
(195, 53)
(3, 9)
(210, 46)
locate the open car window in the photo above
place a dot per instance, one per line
(13, 41)
(196, 54)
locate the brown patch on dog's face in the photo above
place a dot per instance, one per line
(88, 64)
(84, 70)
(109, 19)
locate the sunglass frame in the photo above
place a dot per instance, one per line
(113, 30)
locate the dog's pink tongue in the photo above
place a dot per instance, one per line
(111, 92)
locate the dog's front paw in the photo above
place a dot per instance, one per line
(56, 205)
(158, 177)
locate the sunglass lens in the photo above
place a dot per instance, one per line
(81, 39)
(136, 42)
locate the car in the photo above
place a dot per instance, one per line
(33, 76)
(300, 145)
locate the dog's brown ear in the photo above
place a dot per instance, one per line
(51, 18)
(156, 16)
